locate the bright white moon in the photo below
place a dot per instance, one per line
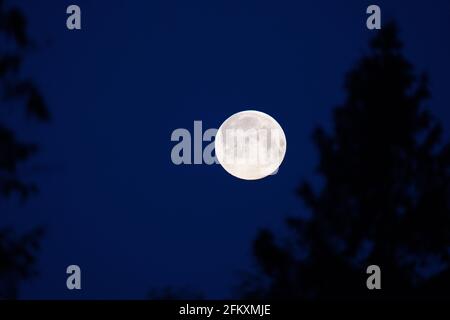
(250, 145)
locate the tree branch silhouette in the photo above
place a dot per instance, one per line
(17, 252)
(385, 198)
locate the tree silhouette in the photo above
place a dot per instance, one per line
(17, 253)
(385, 198)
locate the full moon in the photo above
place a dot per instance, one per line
(250, 145)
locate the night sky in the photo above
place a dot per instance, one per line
(110, 198)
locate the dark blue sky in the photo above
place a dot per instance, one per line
(111, 199)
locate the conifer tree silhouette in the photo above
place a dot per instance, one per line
(385, 198)
(17, 253)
